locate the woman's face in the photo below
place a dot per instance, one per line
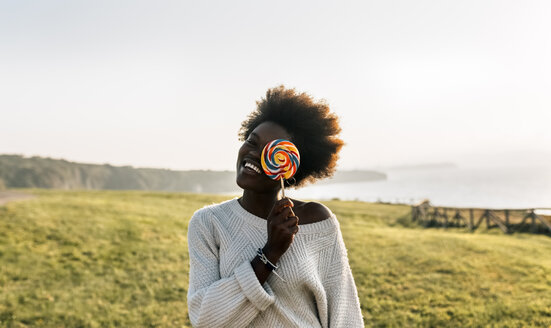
(250, 175)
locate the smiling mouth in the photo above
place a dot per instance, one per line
(252, 167)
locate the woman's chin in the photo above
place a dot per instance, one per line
(255, 183)
(245, 183)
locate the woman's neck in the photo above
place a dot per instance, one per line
(259, 204)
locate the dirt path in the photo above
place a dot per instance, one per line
(8, 196)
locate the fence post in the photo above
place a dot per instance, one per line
(507, 218)
(533, 225)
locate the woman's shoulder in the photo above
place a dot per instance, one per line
(311, 212)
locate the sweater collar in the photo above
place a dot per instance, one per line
(326, 225)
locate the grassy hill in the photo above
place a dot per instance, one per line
(119, 258)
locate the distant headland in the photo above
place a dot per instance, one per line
(17, 171)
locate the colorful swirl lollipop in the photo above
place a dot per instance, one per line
(280, 160)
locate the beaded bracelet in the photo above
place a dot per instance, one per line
(267, 262)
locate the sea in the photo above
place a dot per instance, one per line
(505, 187)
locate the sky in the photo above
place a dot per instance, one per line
(166, 84)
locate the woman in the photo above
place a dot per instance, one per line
(261, 261)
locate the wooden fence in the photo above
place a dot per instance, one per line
(508, 220)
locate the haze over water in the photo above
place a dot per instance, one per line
(519, 187)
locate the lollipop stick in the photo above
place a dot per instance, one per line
(282, 188)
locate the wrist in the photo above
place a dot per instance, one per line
(270, 266)
(270, 254)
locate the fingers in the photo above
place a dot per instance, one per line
(286, 213)
(282, 204)
(281, 211)
(291, 222)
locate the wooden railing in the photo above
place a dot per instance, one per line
(508, 220)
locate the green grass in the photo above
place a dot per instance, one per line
(119, 259)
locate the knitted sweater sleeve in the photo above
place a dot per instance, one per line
(342, 297)
(213, 301)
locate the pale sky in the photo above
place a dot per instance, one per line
(167, 83)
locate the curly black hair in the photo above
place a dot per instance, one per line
(313, 129)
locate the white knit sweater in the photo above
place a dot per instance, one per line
(224, 291)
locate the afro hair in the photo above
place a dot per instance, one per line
(313, 129)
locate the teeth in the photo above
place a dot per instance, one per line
(253, 167)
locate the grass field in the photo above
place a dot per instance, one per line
(119, 259)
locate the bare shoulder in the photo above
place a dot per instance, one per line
(311, 212)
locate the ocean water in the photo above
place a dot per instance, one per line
(519, 187)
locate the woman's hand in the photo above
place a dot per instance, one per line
(282, 227)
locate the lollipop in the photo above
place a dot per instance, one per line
(280, 160)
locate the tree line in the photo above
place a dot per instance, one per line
(17, 171)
